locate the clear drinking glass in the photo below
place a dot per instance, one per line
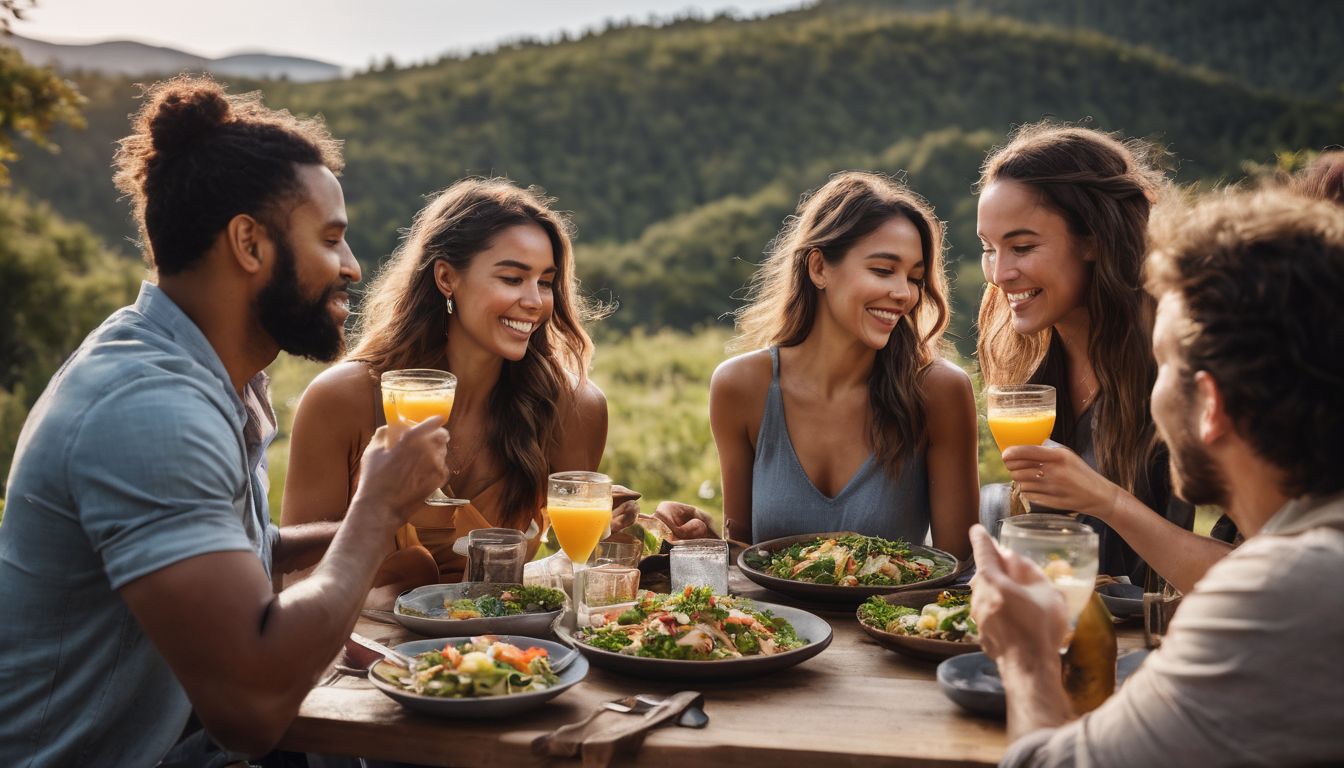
(700, 563)
(1158, 610)
(624, 553)
(608, 588)
(579, 506)
(412, 395)
(1065, 549)
(1020, 414)
(496, 555)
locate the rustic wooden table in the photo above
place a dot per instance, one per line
(854, 704)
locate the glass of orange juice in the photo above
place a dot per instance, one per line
(412, 395)
(579, 505)
(1021, 414)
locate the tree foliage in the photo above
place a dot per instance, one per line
(33, 101)
(57, 282)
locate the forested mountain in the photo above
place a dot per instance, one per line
(680, 148)
(1291, 45)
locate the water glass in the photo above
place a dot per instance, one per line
(554, 572)
(496, 555)
(608, 590)
(1158, 610)
(1065, 549)
(623, 553)
(700, 563)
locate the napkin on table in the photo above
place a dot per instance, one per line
(600, 740)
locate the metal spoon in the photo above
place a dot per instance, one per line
(564, 662)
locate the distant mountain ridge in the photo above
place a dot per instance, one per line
(680, 148)
(128, 58)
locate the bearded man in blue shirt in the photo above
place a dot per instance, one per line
(137, 552)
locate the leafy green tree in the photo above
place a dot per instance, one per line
(56, 283)
(33, 100)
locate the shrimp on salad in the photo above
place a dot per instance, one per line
(696, 625)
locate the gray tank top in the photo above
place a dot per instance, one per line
(784, 502)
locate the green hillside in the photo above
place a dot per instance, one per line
(1291, 45)
(680, 149)
(638, 125)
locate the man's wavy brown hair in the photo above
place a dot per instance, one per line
(1261, 275)
(403, 318)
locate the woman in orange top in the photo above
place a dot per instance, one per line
(482, 286)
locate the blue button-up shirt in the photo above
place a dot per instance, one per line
(139, 454)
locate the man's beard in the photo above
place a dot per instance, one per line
(1194, 476)
(301, 327)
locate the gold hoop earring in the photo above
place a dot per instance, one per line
(449, 304)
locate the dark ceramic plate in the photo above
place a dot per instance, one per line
(485, 706)
(972, 680)
(1123, 600)
(750, 561)
(429, 600)
(812, 628)
(918, 647)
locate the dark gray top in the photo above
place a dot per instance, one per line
(784, 502)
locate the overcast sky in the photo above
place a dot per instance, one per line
(350, 33)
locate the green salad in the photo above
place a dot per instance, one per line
(852, 561)
(693, 625)
(947, 618)
(482, 667)
(512, 601)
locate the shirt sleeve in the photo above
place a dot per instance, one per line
(1244, 652)
(158, 475)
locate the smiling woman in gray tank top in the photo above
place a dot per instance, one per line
(846, 417)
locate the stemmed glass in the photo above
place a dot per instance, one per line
(1065, 549)
(1020, 414)
(579, 506)
(412, 395)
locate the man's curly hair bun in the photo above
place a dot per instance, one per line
(197, 156)
(185, 113)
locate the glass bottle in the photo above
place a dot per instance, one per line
(1089, 663)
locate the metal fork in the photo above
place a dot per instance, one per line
(634, 705)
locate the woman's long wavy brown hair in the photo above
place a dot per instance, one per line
(1105, 189)
(403, 318)
(783, 300)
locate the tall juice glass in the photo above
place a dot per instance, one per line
(579, 505)
(1020, 414)
(412, 395)
(1065, 549)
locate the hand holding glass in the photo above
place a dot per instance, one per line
(1020, 414)
(1065, 549)
(412, 395)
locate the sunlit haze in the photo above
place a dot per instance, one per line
(349, 33)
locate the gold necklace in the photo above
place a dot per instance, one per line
(1091, 393)
(459, 467)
